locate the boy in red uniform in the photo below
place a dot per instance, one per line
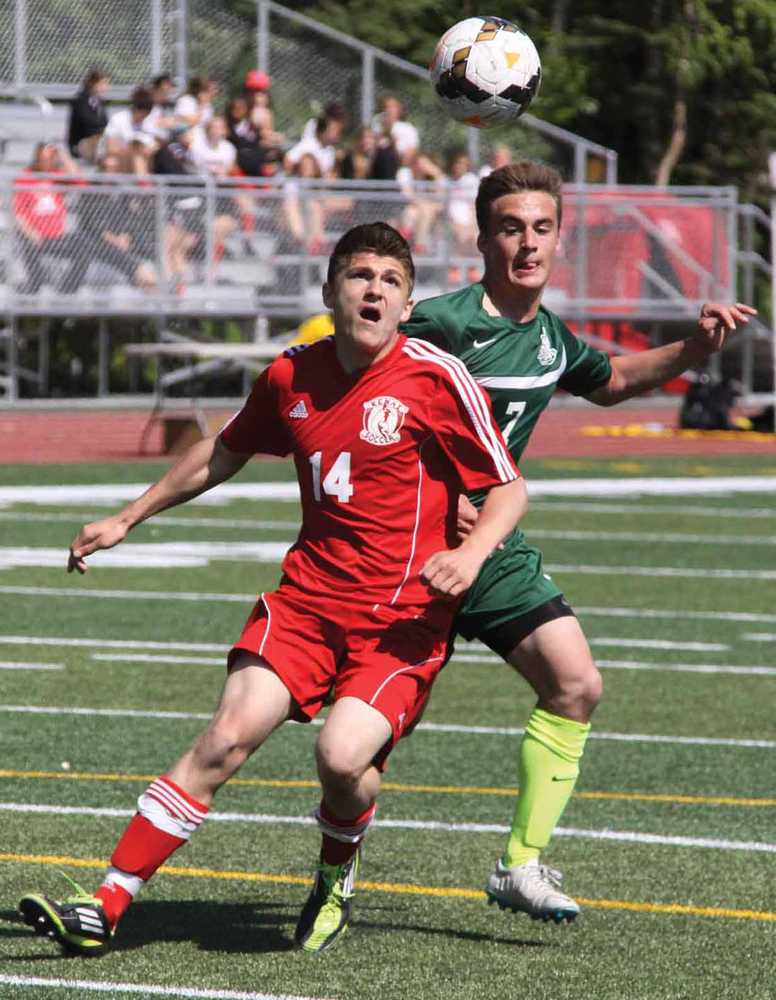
(385, 434)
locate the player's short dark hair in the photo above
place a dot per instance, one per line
(524, 175)
(372, 237)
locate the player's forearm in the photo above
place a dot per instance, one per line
(203, 466)
(504, 506)
(636, 373)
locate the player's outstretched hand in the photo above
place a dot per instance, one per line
(717, 319)
(467, 517)
(93, 537)
(450, 573)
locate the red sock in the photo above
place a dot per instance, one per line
(166, 818)
(341, 837)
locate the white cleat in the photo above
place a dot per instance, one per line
(533, 889)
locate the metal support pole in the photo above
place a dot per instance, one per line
(367, 86)
(156, 37)
(580, 163)
(20, 49)
(103, 358)
(473, 147)
(43, 357)
(13, 361)
(181, 44)
(262, 36)
(773, 304)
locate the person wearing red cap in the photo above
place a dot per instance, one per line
(256, 87)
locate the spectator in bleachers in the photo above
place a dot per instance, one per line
(41, 213)
(245, 137)
(124, 125)
(460, 209)
(256, 93)
(175, 156)
(333, 110)
(88, 116)
(161, 118)
(106, 232)
(391, 124)
(322, 145)
(500, 156)
(303, 215)
(211, 151)
(195, 107)
(422, 210)
(358, 160)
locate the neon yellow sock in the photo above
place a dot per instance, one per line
(548, 766)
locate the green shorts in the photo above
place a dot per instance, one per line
(510, 584)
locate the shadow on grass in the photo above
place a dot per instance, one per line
(242, 928)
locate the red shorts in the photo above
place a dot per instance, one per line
(384, 657)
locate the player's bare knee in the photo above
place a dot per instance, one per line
(339, 763)
(222, 747)
(578, 693)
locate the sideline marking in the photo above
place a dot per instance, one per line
(429, 727)
(156, 658)
(438, 826)
(397, 888)
(704, 616)
(389, 786)
(289, 491)
(689, 668)
(162, 520)
(690, 647)
(145, 989)
(671, 538)
(14, 665)
(645, 508)
(37, 640)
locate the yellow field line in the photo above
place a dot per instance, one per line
(388, 786)
(398, 888)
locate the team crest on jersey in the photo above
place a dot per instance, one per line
(383, 419)
(547, 353)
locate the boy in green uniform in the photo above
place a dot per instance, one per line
(521, 353)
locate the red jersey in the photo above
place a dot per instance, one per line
(40, 204)
(381, 454)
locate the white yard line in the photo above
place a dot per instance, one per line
(678, 668)
(758, 636)
(584, 507)
(429, 727)
(153, 658)
(38, 640)
(670, 538)
(661, 571)
(81, 517)
(15, 665)
(129, 595)
(694, 647)
(288, 491)
(657, 613)
(143, 989)
(623, 836)
(689, 668)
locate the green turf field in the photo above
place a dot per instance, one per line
(669, 842)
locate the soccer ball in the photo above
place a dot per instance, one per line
(485, 71)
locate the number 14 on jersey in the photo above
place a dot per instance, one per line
(337, 481)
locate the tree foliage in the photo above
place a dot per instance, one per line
(681, 88)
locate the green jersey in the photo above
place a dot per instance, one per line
(520, 365)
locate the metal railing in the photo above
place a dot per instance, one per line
(119, 245)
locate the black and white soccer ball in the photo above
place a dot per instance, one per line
(485, 71)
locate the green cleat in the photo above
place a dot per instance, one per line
(78, 924)
(326, 913)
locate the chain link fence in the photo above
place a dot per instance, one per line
(48, 46)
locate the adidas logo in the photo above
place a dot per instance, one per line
(299, 412)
